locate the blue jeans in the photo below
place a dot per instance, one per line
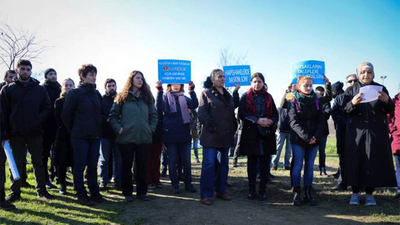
(176, 151)
(280, 140)
(196, 148)
(397, 160)
(207, 180)
(108, 145)
(321, 149)
(307, 155)
(86, 153)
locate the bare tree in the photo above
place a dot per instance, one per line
(227, 58)
(17, 44)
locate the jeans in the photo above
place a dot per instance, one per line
(108, 146)
(397, 160)
(164, 158)
(196, 148)
(139, 152)
(86, 154)
(307, 155)
(182, 151)
(282, 137)
(208, 183)
(321, 149)
(19, 144)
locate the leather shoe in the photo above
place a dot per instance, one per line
(225, 197)
(206, 201)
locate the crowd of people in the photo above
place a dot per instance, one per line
(125, 134)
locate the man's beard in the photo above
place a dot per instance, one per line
(112, 93)
(23, 77)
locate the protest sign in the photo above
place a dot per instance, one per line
(172, 71)
(237, 74)
(312, 68)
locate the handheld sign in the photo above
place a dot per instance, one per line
(11, 161)
(174, 71)
(312, 68)
(237, 74)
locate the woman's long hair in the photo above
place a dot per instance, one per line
(144, 90)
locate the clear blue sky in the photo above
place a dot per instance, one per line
(121, 36)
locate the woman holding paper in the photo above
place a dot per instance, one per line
(259, 114)
(217, 117)
(370, 162)
(175, 106)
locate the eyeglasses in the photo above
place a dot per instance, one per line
(351, 81)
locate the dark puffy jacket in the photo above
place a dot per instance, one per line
(309, 121)
(283, 123)
(63, 154)
(82, 112)
(174, 128)
(106, 104)
(53, 90)
(25, 108)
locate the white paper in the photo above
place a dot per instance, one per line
(370, 93)
(11, 161)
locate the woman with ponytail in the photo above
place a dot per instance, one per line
(217, 117)
(307, 122)
(258, 112)
(175, 106)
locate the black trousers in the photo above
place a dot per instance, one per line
(2, 174)
(48, 140)
(35, 148)
(264, 161)
(139, 152)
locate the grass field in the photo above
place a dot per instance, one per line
(185, 208)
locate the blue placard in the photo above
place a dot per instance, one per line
(237, 74)
(312, 68)
(172, 71)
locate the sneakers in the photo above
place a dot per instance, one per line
(370, 200)
(85, 200)
(63, 189)
(7, 206)
(49, 185)
(129, 198)
(98, 198)
(354, 199)
(45, 195)
(13, 197)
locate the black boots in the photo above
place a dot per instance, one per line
(252, 195)
(308, 197)
(322, 171)
(297, 196)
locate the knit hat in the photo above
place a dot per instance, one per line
(337, 88)
(365, 65)
(47, 71)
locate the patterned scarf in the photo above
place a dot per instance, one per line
(250, 101)
(182, 103)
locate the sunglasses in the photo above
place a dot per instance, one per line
(351, 81)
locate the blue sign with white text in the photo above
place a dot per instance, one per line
(237, 74)
(312, 68)
(174, 71)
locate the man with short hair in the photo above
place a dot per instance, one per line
(108, 144)
(340, 119)
(26, 106)
(53, 89)
(9, 77)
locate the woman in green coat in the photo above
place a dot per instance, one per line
(134, 118)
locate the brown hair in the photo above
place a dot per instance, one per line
(169, 88)
(144, 90)
(258, 74)
(85, 69)
(301, 80)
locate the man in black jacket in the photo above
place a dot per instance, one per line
(26, 106)
(53, 89)
(110, 157)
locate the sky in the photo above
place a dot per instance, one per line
(121, 36)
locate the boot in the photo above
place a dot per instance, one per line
(262, 195)
(322, 171)
(297, 196)
(252, 195)
(308, 197)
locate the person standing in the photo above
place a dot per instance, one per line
(369, 158)
(134, 118)
(63, 153)
(53, 89)
(217, 116)
(394, 128)
(307, 122)
(108, 144)
(26, 106)
(9, 77)
(81, 116)
(175, 107)
(258, 112)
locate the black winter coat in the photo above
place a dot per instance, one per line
(217, 117)
(25, 108)
(306, 123)
(251, 139)
(63, 153)
(81, 114)
(53, 90)
(339, 119)
(106, 104)
(369, 156)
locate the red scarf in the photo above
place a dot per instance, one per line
(250, 101)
